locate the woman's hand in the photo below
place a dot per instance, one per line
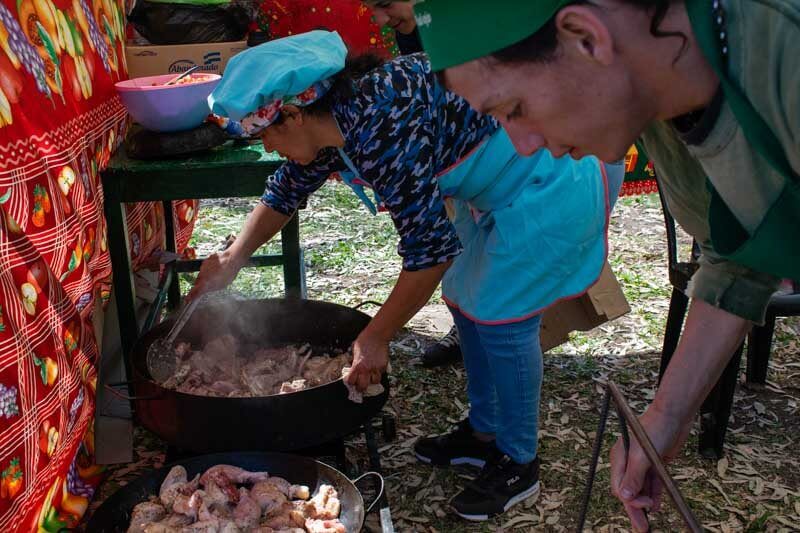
(219, 270)
(371, 348)
(216, 273)
(370, 360)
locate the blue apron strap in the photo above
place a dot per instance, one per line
(349, 177)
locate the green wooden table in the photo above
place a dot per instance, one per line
(233, 170)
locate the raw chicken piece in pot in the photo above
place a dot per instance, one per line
(293, 386)
(215, 496)
(287, 517)
(146, 513)
(324, 505)
(247, 511)
(314, 525)
(268, 496)
(172, 524)
(234, 474)
(206, 526)
(190, 505)
(174, 484)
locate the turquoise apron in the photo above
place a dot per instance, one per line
(533, 230)
(772, 248)
(353, 180)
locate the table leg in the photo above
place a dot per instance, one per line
(174, 294)
(292, 258)
(124, 290)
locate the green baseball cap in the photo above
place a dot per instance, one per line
(457, 31)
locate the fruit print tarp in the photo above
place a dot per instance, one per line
(60, 121)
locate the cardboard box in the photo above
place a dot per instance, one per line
(177, 58)
(602, 303)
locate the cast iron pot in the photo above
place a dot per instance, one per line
(285, 422)
(114, 515)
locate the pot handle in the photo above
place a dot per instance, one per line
(368, 302)
(379, 497)
(110, 388)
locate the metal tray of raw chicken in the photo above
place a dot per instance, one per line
(238, 493)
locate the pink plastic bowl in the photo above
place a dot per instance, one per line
(167, 108)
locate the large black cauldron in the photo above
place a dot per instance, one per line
(284, 422)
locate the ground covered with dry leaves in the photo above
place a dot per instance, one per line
(351, 258)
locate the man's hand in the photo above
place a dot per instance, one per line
(634, 481)
(370, 359)
(710, 337)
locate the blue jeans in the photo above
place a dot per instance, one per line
(504, 382)
(615, 173)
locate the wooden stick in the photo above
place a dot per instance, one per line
(654, 458)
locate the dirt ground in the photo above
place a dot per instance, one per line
(755, 487)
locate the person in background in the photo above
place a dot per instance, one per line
(350, 18)
(710, 88)
(400, 17)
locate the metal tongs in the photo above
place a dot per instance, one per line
(162, 361)
(628, 419)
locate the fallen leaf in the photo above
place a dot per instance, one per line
(756, 486)
(722, 467)
(786, 522)
(712, 508)
(717, 486)
(526, 519)
(550, 505)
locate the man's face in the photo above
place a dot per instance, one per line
(397, 15)
(582, 98)
(575, 111)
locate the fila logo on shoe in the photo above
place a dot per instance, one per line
(512, 481)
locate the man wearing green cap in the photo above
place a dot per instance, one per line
(715, 103)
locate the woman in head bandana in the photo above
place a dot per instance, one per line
(396, 131)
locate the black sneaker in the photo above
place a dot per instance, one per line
(459, 447)
(446, 351)
(501, 484)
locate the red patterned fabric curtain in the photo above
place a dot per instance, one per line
(60, 121)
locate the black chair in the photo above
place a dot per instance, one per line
(716, 409)
(759, 342)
